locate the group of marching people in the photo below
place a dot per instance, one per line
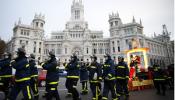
(26, 76)
(115, 77)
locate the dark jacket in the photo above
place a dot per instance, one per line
(122, 71)
(5, 68)
(159, 74)
(33, 68)
(72, 69)
(21, 65)
(52, 70)
(93, 68)
(108, 70)
(83, 73)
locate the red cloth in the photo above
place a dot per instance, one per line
(131, 73)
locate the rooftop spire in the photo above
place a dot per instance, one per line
(140, 22)
(133, 20)
(19, 21)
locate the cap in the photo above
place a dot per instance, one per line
(21, 51)
(32, 56)
(93, 56)
(51, 53)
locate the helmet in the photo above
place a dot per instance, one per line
(74, 56)
(120, 57)
(93, 56)
(21, 51)
(52, 54)
(32, 56)
(107, 55)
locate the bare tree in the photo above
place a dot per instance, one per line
(2, 47)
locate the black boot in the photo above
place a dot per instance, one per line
(36, 97)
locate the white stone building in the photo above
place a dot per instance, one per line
(78, 38)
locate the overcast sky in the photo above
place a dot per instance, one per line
(153, 13)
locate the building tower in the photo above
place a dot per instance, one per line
(38, 21)
(77, 10)
(114, 22)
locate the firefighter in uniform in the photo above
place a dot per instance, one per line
(84, 77)
(159, 79)
(122, 76)
(34, 76)
(5, 74)
(109, 78)
(73, 77)
(69, 94)
(95, 77)
(52, 77)
(22, 76)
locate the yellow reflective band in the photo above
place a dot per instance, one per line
(36, 94)
(118, 95)
(93, 98)
(113, 78)
(74, 86)
(121, 66)
(118, 77)
(69, 93)
(115, 99)
(33, 75)
(1, 83)
(110, 75)
(100, 78)
(159, 79)
(27, 65)
(169, 77)
(42, 64)
(35, 87)
(72, 76)
(106, 65)
(93, 67)
(78, 65)
(53, 89)
(23, 79)
(28, 92)
(127, 76)
(51, 83)
(94, 81)
(4, 76)
(104, 98)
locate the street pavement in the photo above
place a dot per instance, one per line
(147, 94)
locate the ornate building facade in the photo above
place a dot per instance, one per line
(78, 38)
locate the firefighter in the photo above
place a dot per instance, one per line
(22, 76)
(5, 74)
(109, 78)
(34, 76)
(73, 77)
(95, 78)
(52, 77)
(84, 77)
(159, 79)
(122, 76)
(69, 94)
(170, 74)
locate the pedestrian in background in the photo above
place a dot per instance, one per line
(5, 74)
(159, 79)
(84, 77)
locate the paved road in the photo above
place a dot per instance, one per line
(147, 94)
